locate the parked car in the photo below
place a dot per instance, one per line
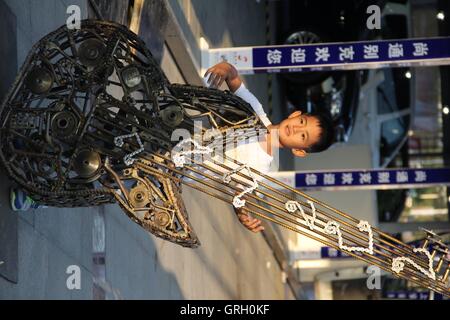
(395, 99)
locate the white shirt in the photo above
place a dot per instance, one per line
(250, 152)
(243, 93)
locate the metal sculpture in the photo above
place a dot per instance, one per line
(89, 120)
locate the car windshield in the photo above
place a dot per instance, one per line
(394, 96)
(392, 134)
(394, 92)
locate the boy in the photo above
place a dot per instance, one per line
(302, 133)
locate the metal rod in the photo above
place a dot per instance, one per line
(331, 244)
(412, 273)
(423, 263)
(96, 10)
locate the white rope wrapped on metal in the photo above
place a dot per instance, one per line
(128, 158)
(179, 158)
(292, 206)
(237, 201)
(334, 228)
(398, 263)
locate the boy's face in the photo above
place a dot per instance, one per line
(298, 132)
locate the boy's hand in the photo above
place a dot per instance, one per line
(221, 72)
(250, 223)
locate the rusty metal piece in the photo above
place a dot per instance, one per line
(87, 163)
(162, 219)
(139, 196)
(64, 125)
(91, 52)
(39, 80)
(131, 77)
(172, 116)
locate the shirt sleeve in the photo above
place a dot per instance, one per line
(243, 93)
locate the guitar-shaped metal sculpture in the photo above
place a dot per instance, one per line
(90, 120)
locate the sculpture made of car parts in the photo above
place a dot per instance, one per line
(89, 121)
(70, 141)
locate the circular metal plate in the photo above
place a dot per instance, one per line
(139, 196)
(91, 52)
(64, 124)
(87, 163)
(39, 80)
(172, 116)
(162, 218)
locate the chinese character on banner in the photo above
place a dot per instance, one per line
(273, 56)
(423, 296)
(371, 51)
(332, 252)
(311, 179)
(413, 295)
(329, 179)
(384, 177)
(298, 55)
(346, 53)
(395, 50)
(322, 54)
(347, 178)
(365, 177)
(402, 295)
(401, 176)
(420, 49)
(421, 176)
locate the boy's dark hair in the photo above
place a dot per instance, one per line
(326, 137)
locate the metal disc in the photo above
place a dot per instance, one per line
(131, 76)
(172, 116)
(39, 80)
(162, 218)
(87, 163)
(91, 52)
(139, 196)
(64, 124)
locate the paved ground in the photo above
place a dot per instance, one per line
(232, 263)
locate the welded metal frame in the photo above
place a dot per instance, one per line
(62, 115)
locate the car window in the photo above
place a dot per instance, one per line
(394, 92)
(392, 133)
(395, 26)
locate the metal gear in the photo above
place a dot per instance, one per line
(139, 196)
(172, 116)
(64, 125)
(162, 218)
(91, 52)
